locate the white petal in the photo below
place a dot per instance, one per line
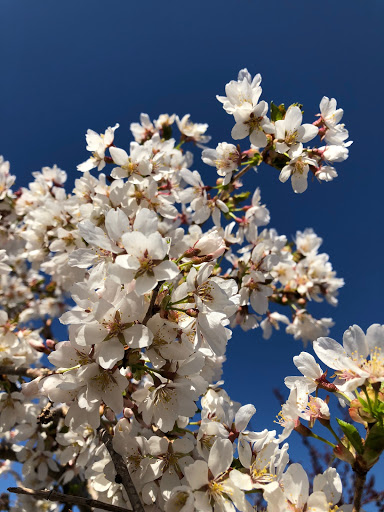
(309, 132)
(293, 119)
(109, 352)
(220, 456)
(120, 157)
(240, 131)
(355, 343)
(243, 415)
(296, 485)
(197, 474)
(166, 270)
(138, 336)
(299, 182)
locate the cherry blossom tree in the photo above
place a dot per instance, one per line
(151, 269)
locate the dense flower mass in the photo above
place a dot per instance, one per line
(150, 269)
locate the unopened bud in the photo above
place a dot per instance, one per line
(50, 343)
(192, 312)
(342, 453)
(128, 413)
(191, 252)
(36, 343)
(196, 260)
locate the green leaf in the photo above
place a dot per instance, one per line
(238, 198)
(277, 112)
(374, 444)
(352, 435)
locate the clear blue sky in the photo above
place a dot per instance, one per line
(68, 66)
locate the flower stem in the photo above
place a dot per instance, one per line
(319, 438)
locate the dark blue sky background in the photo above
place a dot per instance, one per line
(68, 66)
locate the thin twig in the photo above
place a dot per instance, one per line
(25, 372)
(236, 177)
(66, 498)
(122, 472)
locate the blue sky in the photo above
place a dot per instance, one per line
(69, 66)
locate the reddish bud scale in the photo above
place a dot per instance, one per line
(303, 430)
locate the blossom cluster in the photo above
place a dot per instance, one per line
(150, 269)
(283, 134)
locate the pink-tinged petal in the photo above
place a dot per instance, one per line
(293, 119)
(243, 415)
(220, 456)
(120, 157)
(197, 474)
(240, 131)
(308, 132)
(109, 353)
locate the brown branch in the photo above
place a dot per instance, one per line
(122, 472)
(6, 453)
(361, 476)
(33, 373)
(66, 498)
(151, 304)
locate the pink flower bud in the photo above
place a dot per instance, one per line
(128, 413)
(50, 343)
